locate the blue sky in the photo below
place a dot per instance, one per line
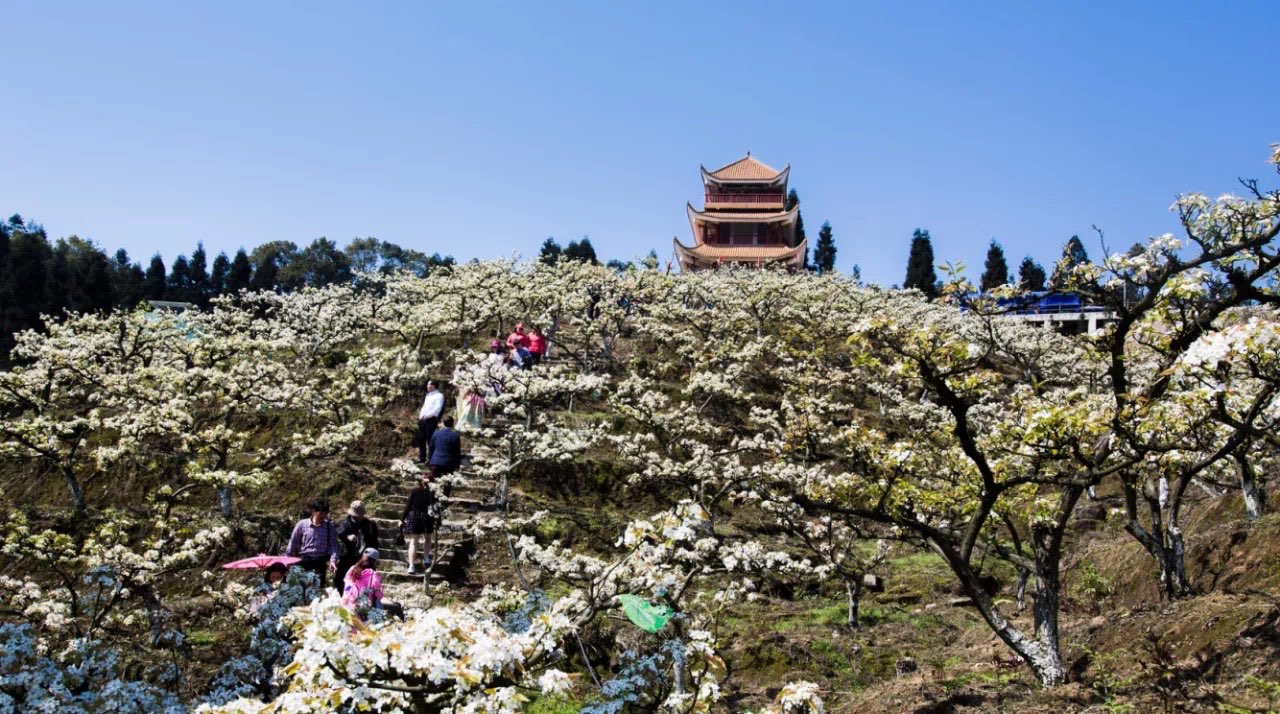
(479, 129)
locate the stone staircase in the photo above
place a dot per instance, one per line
(470, 495)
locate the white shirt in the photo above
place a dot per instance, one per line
(432, 405)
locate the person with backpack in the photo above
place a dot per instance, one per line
(419, 522)
(356, 533)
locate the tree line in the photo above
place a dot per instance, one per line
(1031, 276)
(40, 277)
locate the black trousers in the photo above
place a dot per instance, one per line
(426, 427)
(339, 575)
(319, 566)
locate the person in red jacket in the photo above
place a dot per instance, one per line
(517, 338)
(537, 346)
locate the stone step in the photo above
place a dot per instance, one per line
(450, 524)
(474, 487)
(400, 575)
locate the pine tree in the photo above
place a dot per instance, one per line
(317, 265)
(581, 251)
(201, 291)
(550, 252)
(84, 276)
(793, 200)
(270, 263)
(218, 276)
(24, 281)
(1073, 254)
(126, 281)
(155, 283)
(241, 273)
(179, 281)
(1030, 275)
(996, 270)
(586, 253)
(264, 276)
(920, 272)
(824, 255)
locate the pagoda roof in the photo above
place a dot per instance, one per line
(708, 254)
(752, 217)
(748, 169)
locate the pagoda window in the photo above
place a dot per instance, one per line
(745, 233)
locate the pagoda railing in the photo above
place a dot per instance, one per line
(744, 198)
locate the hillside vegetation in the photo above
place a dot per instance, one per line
(839, 498)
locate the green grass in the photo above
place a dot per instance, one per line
(201, 638)
(831, 615)
(552, 705)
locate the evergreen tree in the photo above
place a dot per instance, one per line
(179, 281)
(650, 261)
(270, 261)
(24, 281)
(793, 200)
(264, 276)
(1073, 254)
(586, 253)
(4, 246)
(856, 273)
(436, 261)
(366, 255)
(84, 273)
(1030, 275)
(581, 251)
(824, 255)
(126, 281)
(201, 290)
(550, 252)
(317, 265)
(240, 274)
(218, 276)
(996, 270)
(155, 283)
(920, 272)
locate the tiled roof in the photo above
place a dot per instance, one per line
(751, 252)
(746, 169)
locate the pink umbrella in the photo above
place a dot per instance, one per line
(261, 561)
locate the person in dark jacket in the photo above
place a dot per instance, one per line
(419, 522)
(356, 533)
(446, 450)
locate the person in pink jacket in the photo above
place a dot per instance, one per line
(518, 338)
(363, 579)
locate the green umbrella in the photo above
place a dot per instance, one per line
(649, 618)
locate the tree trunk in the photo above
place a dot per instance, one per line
(853, 593)
(1041, 654)
(1163, 542)
(77, 492)
(224, 500)
(1023, 577)
(1255, 498)
(157, 614)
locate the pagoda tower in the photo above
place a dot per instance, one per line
(743, 219)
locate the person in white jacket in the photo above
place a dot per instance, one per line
(429, 419)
